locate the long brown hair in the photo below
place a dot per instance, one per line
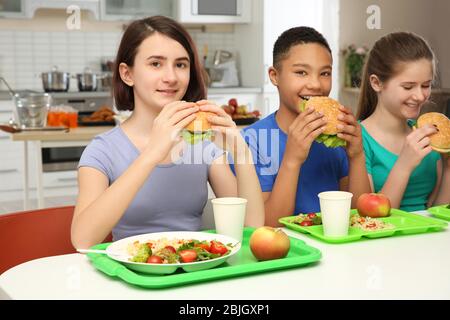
(132, 38)
(383, 61)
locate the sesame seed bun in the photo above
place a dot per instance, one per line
(329, 108)
(440, 141)
(201, 123)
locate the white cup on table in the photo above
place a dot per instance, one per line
(229, 216)
(335, 210)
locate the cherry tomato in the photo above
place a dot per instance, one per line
(188, 255)
(306, 223)
(170, 248)
(154, 259)
(311, 215)
(203, 246)
(217, 247)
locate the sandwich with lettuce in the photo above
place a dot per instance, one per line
(198, 129)
(330, 109)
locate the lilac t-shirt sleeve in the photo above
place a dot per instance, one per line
(96, 156)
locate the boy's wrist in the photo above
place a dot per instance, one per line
(292, 163)
(357, 157)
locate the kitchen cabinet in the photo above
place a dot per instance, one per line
(269, 19)
(13, 9)
(213, 11)
(116, 10)
(12, 168)
(90, 5)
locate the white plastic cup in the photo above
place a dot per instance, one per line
(229, 216)
(335, 210)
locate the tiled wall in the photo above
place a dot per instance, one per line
(24, 55)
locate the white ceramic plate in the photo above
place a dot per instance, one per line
(118, 252)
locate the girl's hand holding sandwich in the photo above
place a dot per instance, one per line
(166, 126)
(416, 147)
(229, 136)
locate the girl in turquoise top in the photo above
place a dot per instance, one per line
(400, 162)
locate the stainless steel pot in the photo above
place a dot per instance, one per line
(55, 81)
(104, 81)
(87, 81)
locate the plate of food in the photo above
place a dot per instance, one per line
(165, 252)
(104, 116)
(240, 114)
(397, 223)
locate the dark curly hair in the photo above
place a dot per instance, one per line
(295, 36)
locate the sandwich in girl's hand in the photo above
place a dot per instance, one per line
(440, 141)
(199, 129)
(330, 109)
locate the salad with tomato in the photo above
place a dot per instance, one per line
(307, 219)
(177, 251)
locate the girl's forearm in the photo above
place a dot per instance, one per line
(443, 196)
(248, 186)
(395, 185)
(96, 221)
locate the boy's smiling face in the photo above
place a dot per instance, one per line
(305, 71)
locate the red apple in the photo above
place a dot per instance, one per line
(374, 205)
(233, 102)
(267, 243)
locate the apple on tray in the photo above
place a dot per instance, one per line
(374, 205)
(267, 243)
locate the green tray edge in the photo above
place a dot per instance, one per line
(440, 212)
(432, 225)
(115, 269)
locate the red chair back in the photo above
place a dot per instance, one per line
(29, 235)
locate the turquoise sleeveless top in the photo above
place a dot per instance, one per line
(379, 162)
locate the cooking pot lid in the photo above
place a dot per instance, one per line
(55, 69)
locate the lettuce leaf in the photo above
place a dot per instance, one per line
(331, 141)
(196, 137)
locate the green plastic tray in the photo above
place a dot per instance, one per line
(404, 222)
(441, 212)
(243, 263)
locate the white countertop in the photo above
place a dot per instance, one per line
(401, 267)
(4, 95)
(73, 134)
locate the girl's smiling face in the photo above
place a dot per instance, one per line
(306, 71)
(404, 94)
(161, 71)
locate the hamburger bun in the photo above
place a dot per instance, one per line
(329, 108)
(200, 123)
(440, 141)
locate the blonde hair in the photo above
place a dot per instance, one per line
(384, 61)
